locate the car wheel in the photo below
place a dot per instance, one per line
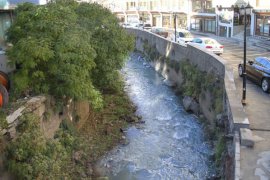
(240, 70)
(265, 85)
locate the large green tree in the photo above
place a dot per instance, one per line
(67, 49)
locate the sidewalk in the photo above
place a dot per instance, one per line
(254, 162)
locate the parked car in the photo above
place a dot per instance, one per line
(182, 36)
(139, 26)
(147, 26)
(126, 25)
(258, 71)
(160, 32)
(209, 44)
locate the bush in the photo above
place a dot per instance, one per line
(31, 156)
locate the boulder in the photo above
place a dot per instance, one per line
(220, 120)
(191, 105)
(187, 102)
(167, 82)
(195, 107)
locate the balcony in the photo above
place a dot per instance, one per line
(210, 10)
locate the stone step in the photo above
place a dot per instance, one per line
(246, 137)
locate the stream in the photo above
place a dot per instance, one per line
(170, 144)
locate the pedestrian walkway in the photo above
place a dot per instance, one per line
(254, 162)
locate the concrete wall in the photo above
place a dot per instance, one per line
(206, 62)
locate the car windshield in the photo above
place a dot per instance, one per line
(210, 41)
(184, 35)
(188, 35)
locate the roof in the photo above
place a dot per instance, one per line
(239, 3)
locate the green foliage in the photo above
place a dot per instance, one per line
(175, 65)
(193, 79)
(219, 149)
(31, 156)
(196, 81)
(3, 121)
(67, 49)
(110, 42)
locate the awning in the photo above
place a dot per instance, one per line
(261, 10)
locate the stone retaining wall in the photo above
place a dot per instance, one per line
(50, 119)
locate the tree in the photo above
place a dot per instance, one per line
(67, 49)
(110, 41)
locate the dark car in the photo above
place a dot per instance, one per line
(258, 71)
(147, 26)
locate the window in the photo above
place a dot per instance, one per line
(196, 24)
(262, 25)
(196, 5)
(166, 21)
(182, 21)
(197, 41)
(210, 41)
(265, 63)
(210, 26)
(131, 5)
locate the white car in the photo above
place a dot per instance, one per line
(182, 36)
(209, 44)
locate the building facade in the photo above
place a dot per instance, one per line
(223, 18)
(261, 18)
(197, 15)
(203, 17)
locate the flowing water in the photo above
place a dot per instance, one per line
(169, 145)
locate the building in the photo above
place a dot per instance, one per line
(261, 19)
(158, 13)
(198, 15)
(231, 18)
(203, 16)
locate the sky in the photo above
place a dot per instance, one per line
(32, 1)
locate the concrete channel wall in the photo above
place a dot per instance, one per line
(206, 62)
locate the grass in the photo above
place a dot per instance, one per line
(102, 130)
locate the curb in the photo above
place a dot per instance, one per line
(236, 141)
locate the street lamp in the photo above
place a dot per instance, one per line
(174, 21)
(243, 8)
